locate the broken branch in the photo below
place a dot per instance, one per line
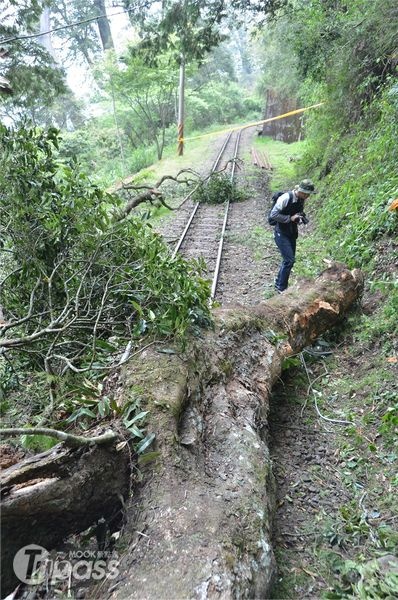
(69, 439)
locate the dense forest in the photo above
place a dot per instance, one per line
(90, 103)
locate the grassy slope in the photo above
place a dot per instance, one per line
(352, 224)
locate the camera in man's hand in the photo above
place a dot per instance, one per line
(302, 219)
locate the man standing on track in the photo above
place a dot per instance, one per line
(286, 214)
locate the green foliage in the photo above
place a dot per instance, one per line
(364, 180)
(35, 79)
(354, 523)
(366, 581)
(91, 405)
(382, 324)
(77, 278)
(47, 204)
(82, 39)
(96, 148)
(218, 189)
(192, 27)
(218, 102)
(36, 88)
(291, 362)
(147, 94)
(84, 401)
(279, 62)
(389, 421)
(218, 66)
(38, 443)
(92, 144)
(349, 47)
(189, 28)
(213, 93)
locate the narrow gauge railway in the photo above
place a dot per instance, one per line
(205, 224)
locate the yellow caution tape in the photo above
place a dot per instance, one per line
(288, 114)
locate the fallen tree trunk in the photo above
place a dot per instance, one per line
(51, 495)
(202, 523)
(200, 526)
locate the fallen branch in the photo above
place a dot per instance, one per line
(69, 439)
(152, 193)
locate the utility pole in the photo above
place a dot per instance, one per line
(181, 108)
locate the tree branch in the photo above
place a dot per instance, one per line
(153, 193)
(68, 438)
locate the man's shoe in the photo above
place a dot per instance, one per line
(278, 291)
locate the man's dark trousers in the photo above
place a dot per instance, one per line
(287, 248)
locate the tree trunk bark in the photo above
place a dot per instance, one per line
(51, 495)
(45, 26)
(103, 26)
(204, 525)
(200, 524)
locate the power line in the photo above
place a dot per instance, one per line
(35, 35)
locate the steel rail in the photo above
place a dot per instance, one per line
(187, 226)
(215, 165)
(195, 208)
(221, 242)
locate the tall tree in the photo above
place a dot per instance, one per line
(88, 33)
(103, 25)
(45, 28)
(195, 22)
(148, 95)
(182, 27)
(81, 37)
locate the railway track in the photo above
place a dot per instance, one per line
(203, 225)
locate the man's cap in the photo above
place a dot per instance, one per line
(307, 187)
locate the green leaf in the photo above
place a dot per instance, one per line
(135, 431)
(81, 412)
(136, 418)
(143, 445)
(38, 442)
(148, 457)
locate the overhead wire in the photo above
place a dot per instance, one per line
(68, 26)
